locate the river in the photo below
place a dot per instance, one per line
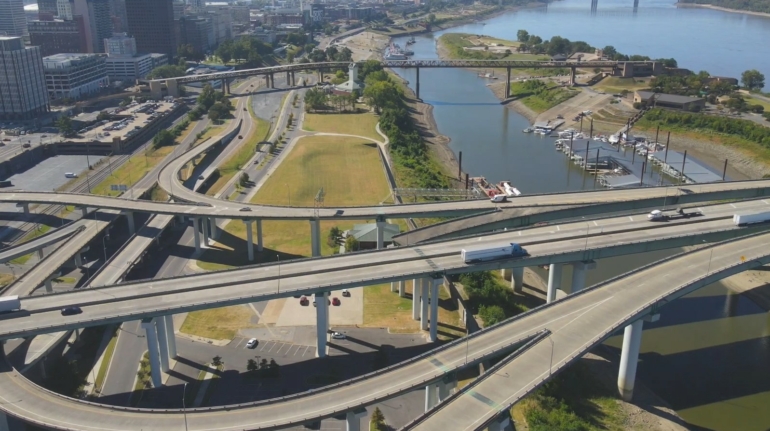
(708, 355)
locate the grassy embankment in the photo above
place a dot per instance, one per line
(105, 365)
(475, 47)
(233, 165)
(614, 84)
(218, 323)
(6, 279)
(348, 124)
(539, 96)
(744, 136)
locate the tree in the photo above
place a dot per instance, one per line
(351, 244)
(244, 179)
(382, 94)
(431, 18)
(522, 35)
(64, 123)
(609, 51)
(753, 79)
(378, 420)
(491, 314)
(164, 138)
(214, 114)
(315, 99)
(251, 365)
(167, 71)
(208, 96)
(216, 361)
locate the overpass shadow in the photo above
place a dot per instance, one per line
(231, 250)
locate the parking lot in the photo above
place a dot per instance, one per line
(350, 311)
(275, 349)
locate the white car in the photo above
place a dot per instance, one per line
(338, 336)
(252, 343)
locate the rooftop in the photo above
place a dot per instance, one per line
(667, 98)
(368, 232)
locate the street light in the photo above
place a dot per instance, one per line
(184, 408)
(104, 246)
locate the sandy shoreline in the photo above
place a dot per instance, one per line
(722, 9)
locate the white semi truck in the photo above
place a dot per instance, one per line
(492, 253)
(9, 304)
(744, 219)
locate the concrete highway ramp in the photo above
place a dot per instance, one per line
(576, 324)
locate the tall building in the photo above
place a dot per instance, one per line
(120, 45)
(75, 76)
(151, 23)
(47, 6)
(194, 31)
(58, 36)
(179, 8)
(64, 8)
(12, 19)
(118, 12)
(131, 68)
(96, 16)
(23, 93)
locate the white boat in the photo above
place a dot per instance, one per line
(614, 139)
(528, 130)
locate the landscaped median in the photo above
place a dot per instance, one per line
(364, 124)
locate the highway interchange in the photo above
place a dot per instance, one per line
(555, 243)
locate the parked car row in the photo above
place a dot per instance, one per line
(305, 301)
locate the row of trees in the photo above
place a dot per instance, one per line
(330, 54)
(213, 103)
(749, 5)
(489, 299)
(744, 129)
(247, 49)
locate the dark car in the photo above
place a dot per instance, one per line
(71, 310)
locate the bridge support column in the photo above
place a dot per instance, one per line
(156, 89)
(572, 76)
(402, 289)
(272, 80)
(554, 281)
(431, 396)
(4, 422)
(214, 229)
(26, 208)
(731, 304)
(629, 356)
(503, 423)
(160, 324)
(48, 286)
(40, 253)
(321, 322)
(259, 235)
(416, 291)
(172, 87)
(381, 233)
(424, 302)
(508, 84)
(315, 237)
(579, 270)
(84, 211)
(78, 260)
(434, 309)
(267, 81)
(293, 81)
(353, 420)
(417, 83)
(180, 219)
(197, 233)
(170, 335)
(227, 85)
(517, 279)
(288, 79)
(249, 240)
(152, 348)
(130, 219)
(393, 286)
(205, 229)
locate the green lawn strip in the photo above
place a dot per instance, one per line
(542, 99)
(143, 377)
(132, 171)
(363, 124)
(106, 359)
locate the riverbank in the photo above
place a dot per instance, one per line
(722, 9)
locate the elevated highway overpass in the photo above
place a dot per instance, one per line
(41, 242)
(596, 312)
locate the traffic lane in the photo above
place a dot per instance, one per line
(526, 237)
(379, 386)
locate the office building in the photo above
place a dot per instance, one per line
(23, 93)
(58, 36)
(221, 25)
(75, 76)
(47, 7)
(179, 8)
(194, 31)
(120, 45)
(98, 23)
(118, 13)
(12, 19)
(64, 8)
(151, 23)
(131, 68)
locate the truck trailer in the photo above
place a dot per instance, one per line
(9, 304)
(744, 219)
(492, 253)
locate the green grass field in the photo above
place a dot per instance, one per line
(349, 124)
(218, 323)
(132, 171)
(349, 170)
(541, 102)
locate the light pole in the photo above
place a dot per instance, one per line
(104, 246)
(184, 408)
(550, 365)
(711, 254)
(278, 256)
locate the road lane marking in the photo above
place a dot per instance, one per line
(558, 228)
(305, 351)
(271, 348)
(595, 224)
(733, 205)
(279, 349)
(630, 218)
(239, 342)
(265, 345)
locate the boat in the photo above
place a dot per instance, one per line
(528, 130)
(411, 41)
(393, 52)
(408, 52)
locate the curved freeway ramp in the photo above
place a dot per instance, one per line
(42, 241)
(576, 324)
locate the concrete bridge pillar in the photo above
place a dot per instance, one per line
(267, 81)
(78, 260)
(160, 324)
(417, 83)
(49, 285)
(572, 76)
(424, 302)
(731, 304)
(315, 237)
(205, 229)
(156, 89)
(322, 322)
(381, 233)
(434, 309)
(40, 253)
(579, 270)
(227, 85)
(554, 281)
(293, 82)
(180, 219)
(288, 79)
(629, 356)
(172, 87)
(503, 423)
(26, 208)
(431, 396)
(196, 233)
(153, 352)
(84, 211)
(416, 291)
(320, 75)
(170, 337)
(517, 279)
(4, 422)
(249, 240)
(130, 219)
(508, 84)
(393, 286)
(353, 420)
(214, 230)
(259, 235)
(402, 289)
(272, 80)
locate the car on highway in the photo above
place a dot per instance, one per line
(71, 310)
(338, 335)
(252, 343)
(240, 137)
(244, 209)
(345, 292)
(335, 301)
(201, 177)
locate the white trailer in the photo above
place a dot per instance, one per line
(9, 304)
(744, 219)
(492, 253)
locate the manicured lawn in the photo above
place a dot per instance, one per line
(752, 101)
(349, 170)
(218, 323)
(542, 101)
(232, 165)
(132, 171)
(350, 124)
(108, 352)
(615, 84)
(6, 279)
